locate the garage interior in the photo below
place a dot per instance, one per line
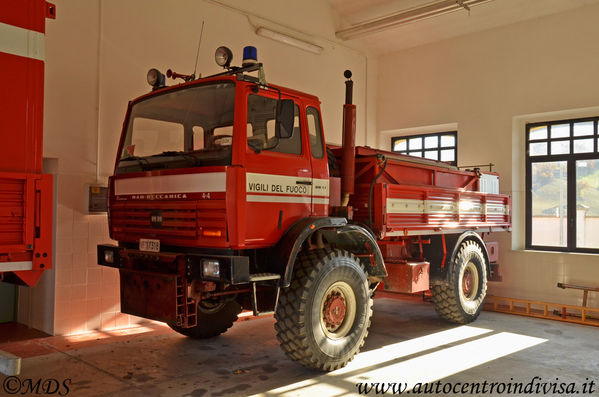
(492, 71)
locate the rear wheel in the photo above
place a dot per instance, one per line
(461, 300)
(324, 315)
(213, 319)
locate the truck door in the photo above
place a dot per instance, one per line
(278, 172)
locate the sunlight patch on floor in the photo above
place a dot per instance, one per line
(387, 364)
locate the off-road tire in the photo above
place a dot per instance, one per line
(211, 323)
(300, 322)
(449, 300)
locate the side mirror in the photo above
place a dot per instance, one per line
(285, 118)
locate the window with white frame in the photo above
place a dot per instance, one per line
(442, 146)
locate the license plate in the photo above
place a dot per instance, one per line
(149, 245)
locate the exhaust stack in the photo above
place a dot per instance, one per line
(348, 165)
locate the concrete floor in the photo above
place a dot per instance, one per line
(407, 343)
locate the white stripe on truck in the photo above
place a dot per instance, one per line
(184, 183)
(22, 42)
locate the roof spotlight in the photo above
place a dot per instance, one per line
(155, 78)
(223, 56)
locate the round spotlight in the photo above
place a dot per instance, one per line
(223, 56)
(155, 78)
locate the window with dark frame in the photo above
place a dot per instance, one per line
(562, 185)
(441, 146)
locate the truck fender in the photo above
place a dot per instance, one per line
(353, 238)
(439, 273)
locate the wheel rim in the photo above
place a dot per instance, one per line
(469, 282)
(338, 310)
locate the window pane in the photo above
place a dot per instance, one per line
(538, 132)
(270, 129)
(261, 115)
(150, 136)
(585, 128)
(549, 204)
(431, 142)
(583, 145)
(448, 155)
(165, 123)
(315, 134)
(538, 149)
(417, 154)
(447, 140)
(587, 203)
(400, 144)
(560, 130)
(560, 147)
(198, 137)
(415, 143)
(432, 154)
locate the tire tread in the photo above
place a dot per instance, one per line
(446, 298)
(291, 312)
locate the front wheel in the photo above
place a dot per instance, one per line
(213, 319)
(461, 300)
(323, 317)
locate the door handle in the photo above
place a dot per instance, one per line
(303, 182)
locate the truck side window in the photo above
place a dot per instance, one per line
(261, 127)
(315, 133)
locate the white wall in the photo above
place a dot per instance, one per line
(491, 84)
(97, 56)
(85, 295)
(137, 35)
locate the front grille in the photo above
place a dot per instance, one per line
(182, 221)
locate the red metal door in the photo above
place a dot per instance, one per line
(25, 194)
(278, 178)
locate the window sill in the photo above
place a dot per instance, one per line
(537, 251)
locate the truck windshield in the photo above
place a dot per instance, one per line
(183, 128)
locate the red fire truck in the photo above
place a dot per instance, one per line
(25, 193)
(225, 197)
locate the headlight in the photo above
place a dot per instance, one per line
(223, 56)
(109, 256)
(155, 78)
(210, 268)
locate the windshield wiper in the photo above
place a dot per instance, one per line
(141, 161)
(184, 155)
(169, 153)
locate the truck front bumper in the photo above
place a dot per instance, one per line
(160, 285)
(228, 269)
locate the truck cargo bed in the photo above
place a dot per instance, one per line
(399, 195)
